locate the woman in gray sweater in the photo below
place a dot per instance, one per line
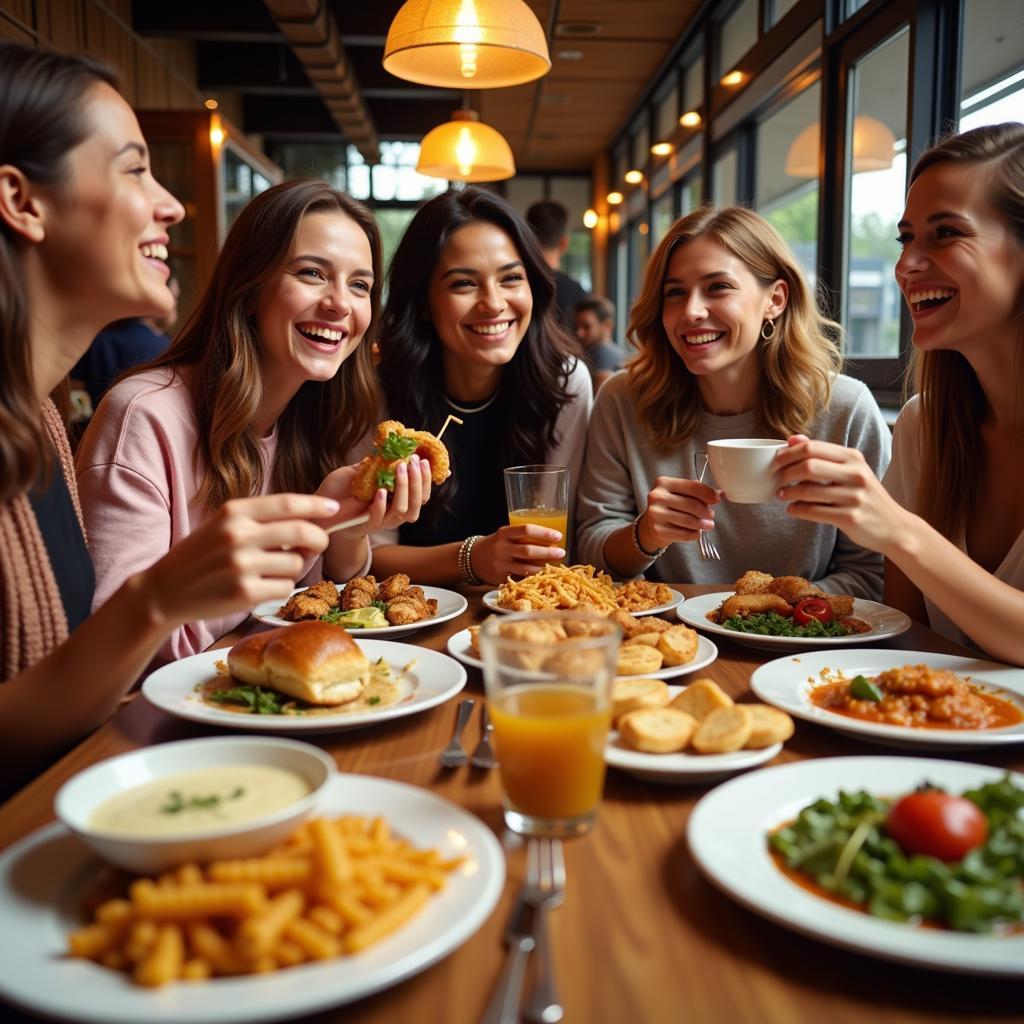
(731, 345)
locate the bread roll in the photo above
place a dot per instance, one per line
(702, 697)
(629, 694)
(317, 662)
(767, 726)
(657, 730)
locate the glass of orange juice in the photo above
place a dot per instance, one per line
(539, 495)
(549, 681)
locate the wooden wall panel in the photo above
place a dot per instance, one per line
(18, 26)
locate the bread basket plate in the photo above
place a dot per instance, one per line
(427, 678)
(491, 600)
(46, 877)
(459, 647)
(449, 605)
(885, 622)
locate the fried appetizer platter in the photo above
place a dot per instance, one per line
(393, 444)
(560, 588)
(396, 601)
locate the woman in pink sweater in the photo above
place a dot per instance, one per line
(269, 387)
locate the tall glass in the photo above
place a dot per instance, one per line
(549, 679)
(539, 495)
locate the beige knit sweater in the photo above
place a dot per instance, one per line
(31, 611)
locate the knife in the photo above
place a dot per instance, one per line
(504, 1005)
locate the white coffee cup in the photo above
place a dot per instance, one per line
(742, 468)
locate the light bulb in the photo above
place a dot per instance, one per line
(614, 198)
(633, 177)
(468, 35)
(465, 152)
(690, 119)
(590, 219)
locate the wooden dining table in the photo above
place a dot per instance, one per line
(642, 936)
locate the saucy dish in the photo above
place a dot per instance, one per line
(916, 696)
(927, 858)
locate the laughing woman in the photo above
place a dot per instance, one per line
(950, 516)
(469, 329)
(731, 345)
(83, 226)
(267, 389)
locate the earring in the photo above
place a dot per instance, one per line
(768, 329)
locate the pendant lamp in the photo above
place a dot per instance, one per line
(466, 44)
(465, 149)
(873, 148)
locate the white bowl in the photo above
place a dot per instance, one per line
(78, 799)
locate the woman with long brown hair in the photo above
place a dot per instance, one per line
(83, 235)
(730, 345)
(268, 388)
(950, 516)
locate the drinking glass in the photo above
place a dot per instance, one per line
(540, 495)
(548, 677)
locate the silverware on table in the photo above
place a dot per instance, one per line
(545, 888)
(504, 1005)
(483, 753)
(453, 756)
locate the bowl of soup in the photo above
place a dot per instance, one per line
(194, 800)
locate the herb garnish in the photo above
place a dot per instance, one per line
(176, 802)
(256, 700)
(396, 447)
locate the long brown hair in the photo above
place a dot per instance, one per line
(43, 95)
(953, 404)
(222, 351)
(798, 362)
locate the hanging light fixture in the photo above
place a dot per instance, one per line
(460, 44)
(465, 149)
(873, 148)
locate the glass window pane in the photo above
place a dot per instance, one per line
(780, 8)
(786, 191)
(639, 250)
(621, 289)
(640, 144)
(724, 179)
(738, 34)
(693, 85)
(662, 215)
(877, 151)
(575, 194)
(992, 78)
(667, 115)
(524, 190)
(689, 196)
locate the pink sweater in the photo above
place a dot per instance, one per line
(137, 480)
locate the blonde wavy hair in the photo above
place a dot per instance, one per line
(797, 363)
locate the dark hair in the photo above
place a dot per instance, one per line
(549, 220)
(42, 102)
(602, 308)
(325, 419)
(534, 383)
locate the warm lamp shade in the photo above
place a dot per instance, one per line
(466, 44)
(873, 148)
(463, 149)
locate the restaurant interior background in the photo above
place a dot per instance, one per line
(650, 108)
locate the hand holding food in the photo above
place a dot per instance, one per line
(388, 508)
(677, 510)
(395, 446)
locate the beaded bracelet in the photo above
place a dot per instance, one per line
(652, 556)
(466, 573)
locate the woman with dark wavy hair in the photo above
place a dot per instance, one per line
(469, 330)
(268, 388)
(83, 236)
(730, 345)
(950, 516)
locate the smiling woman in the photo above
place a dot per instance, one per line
(268, 388)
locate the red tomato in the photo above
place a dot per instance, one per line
(937, 824)
(812, 608)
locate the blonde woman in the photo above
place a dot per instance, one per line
(950, 517)
(730, 344)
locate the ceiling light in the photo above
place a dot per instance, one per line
(642, 227)
(590, 219)
(873, 148)
(614, 198)
(691, 119)
(216, 131)
(733, 78)
(662, 148)
(210, 104)
(465, 149)
(633, 177)
(459, 44)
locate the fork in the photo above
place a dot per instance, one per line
(708, 551)
(453, 756)
(483, 754)
(545, 888)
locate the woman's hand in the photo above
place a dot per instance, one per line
(515, 551)
(677, 510)
(251, 550)
(827, 483)
(387, 511)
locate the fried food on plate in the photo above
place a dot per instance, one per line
(767, 726)
(396, 443)
(638, 595)
(793, 588)
(678, 645)
(657, 730)
(754, 604)
(360, 592)
(702, 697)
(639, 659)
(724, 730)
(630, 694)
(753, 582)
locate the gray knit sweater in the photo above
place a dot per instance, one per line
(620, 470)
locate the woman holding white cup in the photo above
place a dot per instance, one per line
(731, 349)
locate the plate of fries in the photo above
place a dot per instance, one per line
(46, 878)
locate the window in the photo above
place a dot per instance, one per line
(779, 8)
(396, 178)
(724, 179)
(992, 79)
(640, 144)
(876, 149)
(662, 216)
(667, 115)
(738, 34)
(693, 85)
(689, 195)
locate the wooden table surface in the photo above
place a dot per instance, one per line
(641, 936)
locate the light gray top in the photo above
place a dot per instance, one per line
(620, 471)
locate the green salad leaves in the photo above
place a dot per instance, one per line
(773, 624)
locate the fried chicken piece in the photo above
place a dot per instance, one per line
(753, 582)
(301, 606)
(625, 620)
(403, 613)
(432, 606)
(792, 588)
(842, 605)
(326, 590)
(391, 587)
(392, 447)
(416, 592)
(360, 592)
(754, 604)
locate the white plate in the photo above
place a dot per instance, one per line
(885, 622)
(787, 682)
(491, 600)
(433, 679)
(727, 834)
(459, 647)
(682, 769)
(449, 605)
(44, 878)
